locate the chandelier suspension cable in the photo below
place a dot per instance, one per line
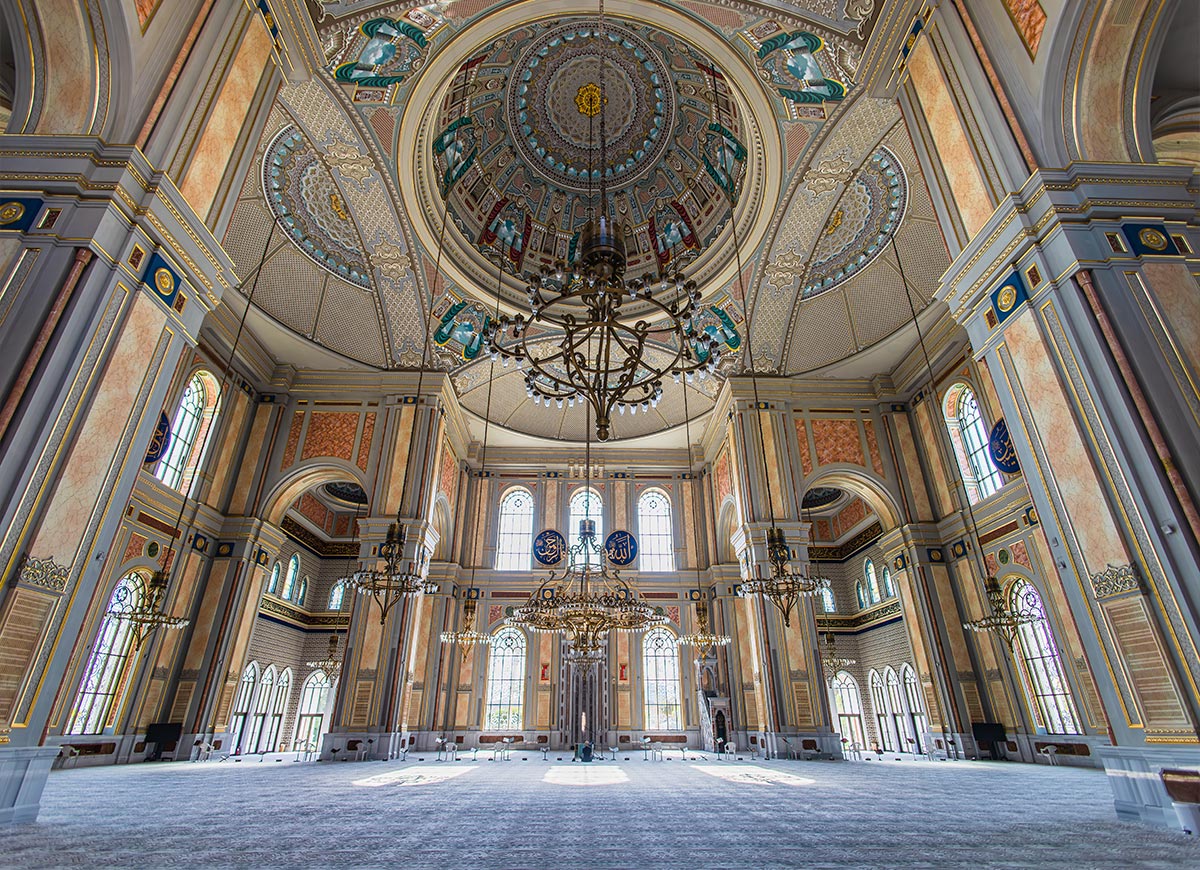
(1002, 619)
(150, 615)
(469, 636)
(389, 585)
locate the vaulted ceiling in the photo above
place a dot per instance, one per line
(439, 141)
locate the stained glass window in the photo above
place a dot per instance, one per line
(660, 658)
(1041, 665)
(506, 681)
(847, 707)
(514, 547)
(189, 433)
(860, 594)
(970, 438)
(872, 580)
(828, 603)
(889, 588)
(337, 595)
(110, 665)
(289, 579)
(586, 504)
(655, 537)
(273, 583)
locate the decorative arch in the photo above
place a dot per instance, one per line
(299, 479)
(442, 524)
(862, 483)
(726, 519)
(968, 431)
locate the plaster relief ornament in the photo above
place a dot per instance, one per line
(788, 62)
(390, 51)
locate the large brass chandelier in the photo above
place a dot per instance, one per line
(332, 662)
(594, 336)
(148, 614)
(469, 636)
(831, 661)
(781, 585)
(1000, 619)
(703, 639)
(398, 578)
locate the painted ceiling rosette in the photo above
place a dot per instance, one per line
(518, 152)
(308, 204)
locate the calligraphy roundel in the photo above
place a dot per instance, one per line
(1000, 446)
(549, 547)
(621, 548)
(160, 440)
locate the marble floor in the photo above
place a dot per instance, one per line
(527, 812)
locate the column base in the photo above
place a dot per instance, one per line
(801, 745)
(1135, 774)
(362, 745)
(23, 774)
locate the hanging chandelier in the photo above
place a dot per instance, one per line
(148, 616)
(470, 636)
(1002, 620)
(831, 661)
(703, 638)
(332, 661)
(783, 587)
(398, 578)
(594, 336)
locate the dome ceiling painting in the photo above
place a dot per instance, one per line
(486, 116)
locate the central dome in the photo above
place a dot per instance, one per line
(517, 144)
(556, 107)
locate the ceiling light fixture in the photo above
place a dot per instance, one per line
(831, 661)
(615, 339)
(332, 663)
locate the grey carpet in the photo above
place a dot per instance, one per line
(629, 813)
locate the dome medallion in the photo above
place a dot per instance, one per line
(516, 146)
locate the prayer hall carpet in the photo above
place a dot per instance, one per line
(625, 813)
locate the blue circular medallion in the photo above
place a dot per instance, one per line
(549, 547)
(621, 548)
(1000, 446)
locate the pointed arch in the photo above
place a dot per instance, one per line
(969, 437)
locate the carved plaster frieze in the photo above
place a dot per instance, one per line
(43, 574)
(1115, 580)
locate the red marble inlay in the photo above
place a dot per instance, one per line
(448, 480)
(293, 439)
(849, 516)
(1020, 554)
(1030, 20)
(993, 566)
(330, 434)
(364, 446)
(724, 481)
(837, 441)
(495, 612)
(806, 462)
(137, 543)
(873, 448)
(673, 613)
(312, 510)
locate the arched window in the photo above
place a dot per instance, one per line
(916, 709)
(262, 708)
(1041, 665)
(506, 681)
(514, 546)
(883, 714)
(110, 665)
(273, 583)
(302, 590)
(337, 595)
(283, 687)
(241, 704)
(902, 727)
(655, 538)
(872, 581)
(827, 600)
(310, 723)
(289, 579)
(660, 660)
(861, 595)
(889, 589)
(586, 504)
(189, 433)
(969, 435)
(847, 707)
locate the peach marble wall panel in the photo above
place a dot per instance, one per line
(206, 617)
(837, 441)
(399, 464)
(1020, 553)
(907, 448)
(312, 510)
(983, 380)
(1030, 20)
(293, 439)
(70, 68)
(824, 530)
(1100, 123)
(217, 143)
(330, 433)
(806, 463)
(794, 641)
(926, 423)
(146, 10)
(778, 496)
(723, 477)
(953, 620)
(1174, 289)
(240, 500)
(1071, 468)
(368, 434)
(618, 511)
(949, 138)
(873, 447)
(687, 521)
(222, 467)
(92, 456)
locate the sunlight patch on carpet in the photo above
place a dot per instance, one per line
(410, 776)
(585, 775)
(749, 773)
